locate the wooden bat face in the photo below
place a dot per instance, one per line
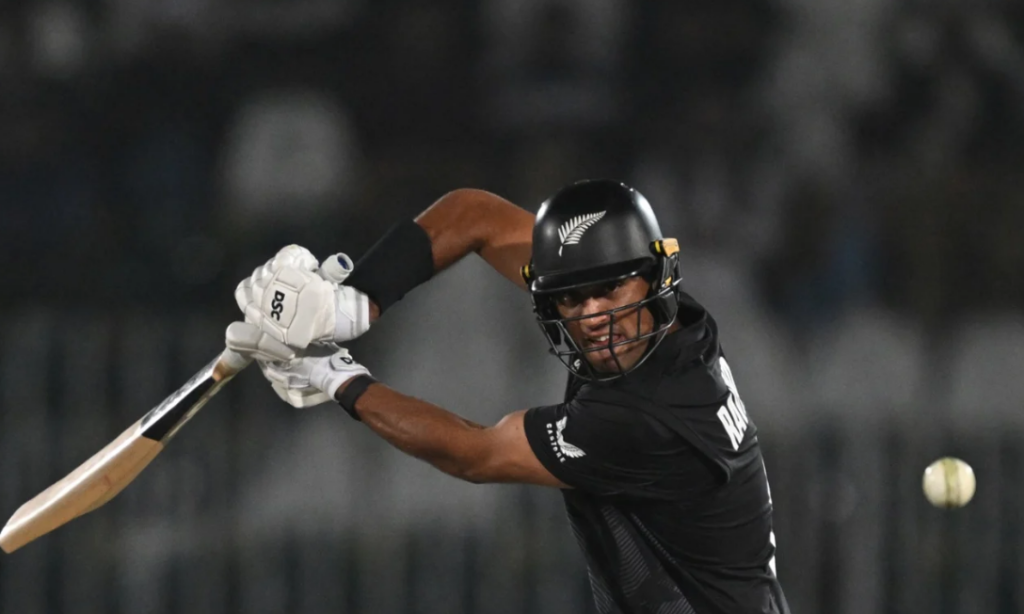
(109, 471)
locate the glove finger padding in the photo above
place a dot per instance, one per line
(301, 397)
(243, 294)
(295, 373)
(292, 256)
(248, 340)
(295, 256)
(325, 373)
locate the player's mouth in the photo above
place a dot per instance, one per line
(602, 340)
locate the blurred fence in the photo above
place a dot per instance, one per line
(256, 508)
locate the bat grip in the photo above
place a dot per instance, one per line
(230, 364)
(336, 268)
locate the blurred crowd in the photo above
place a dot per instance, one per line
(838, 153)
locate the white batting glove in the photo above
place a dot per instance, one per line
(324, 373)
(252, 343)
(299, 303)
(249, 340)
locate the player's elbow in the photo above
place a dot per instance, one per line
(467, 465)
(481, 467)
(472, 479)
(462, 205)
(462, 193)
(475, 472)
(469, 196)
(464, 473)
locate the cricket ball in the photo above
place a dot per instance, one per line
(948, 482)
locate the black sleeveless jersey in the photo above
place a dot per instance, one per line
(669, 500)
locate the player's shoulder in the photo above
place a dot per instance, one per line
(689, 367)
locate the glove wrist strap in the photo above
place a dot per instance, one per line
(355, 389)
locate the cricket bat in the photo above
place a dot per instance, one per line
(109, 471)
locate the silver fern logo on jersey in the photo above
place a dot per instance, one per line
(572, 231)
(562, 448)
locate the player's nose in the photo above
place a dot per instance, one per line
(594, 310)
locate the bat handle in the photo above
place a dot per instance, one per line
(336, 268)
(230, 364)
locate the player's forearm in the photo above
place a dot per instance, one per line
(420, 429)
(459, 223)
(467, 220)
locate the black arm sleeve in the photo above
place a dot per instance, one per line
(400, 261)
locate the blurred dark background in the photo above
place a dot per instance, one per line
(845, 178)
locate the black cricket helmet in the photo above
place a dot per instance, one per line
(597, 232)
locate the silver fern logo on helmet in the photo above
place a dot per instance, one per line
(572, 231)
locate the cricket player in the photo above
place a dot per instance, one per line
(652, 448)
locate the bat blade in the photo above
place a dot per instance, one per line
(86, 488)
(109, 471)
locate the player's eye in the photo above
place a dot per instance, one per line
(568, 299)
(610, 287)
(573, 298)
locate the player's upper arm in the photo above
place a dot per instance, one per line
(468, 219)
(509, 458)
(510, 242)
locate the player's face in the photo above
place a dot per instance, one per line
(596, 329)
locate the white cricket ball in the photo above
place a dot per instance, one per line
(949, 482)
